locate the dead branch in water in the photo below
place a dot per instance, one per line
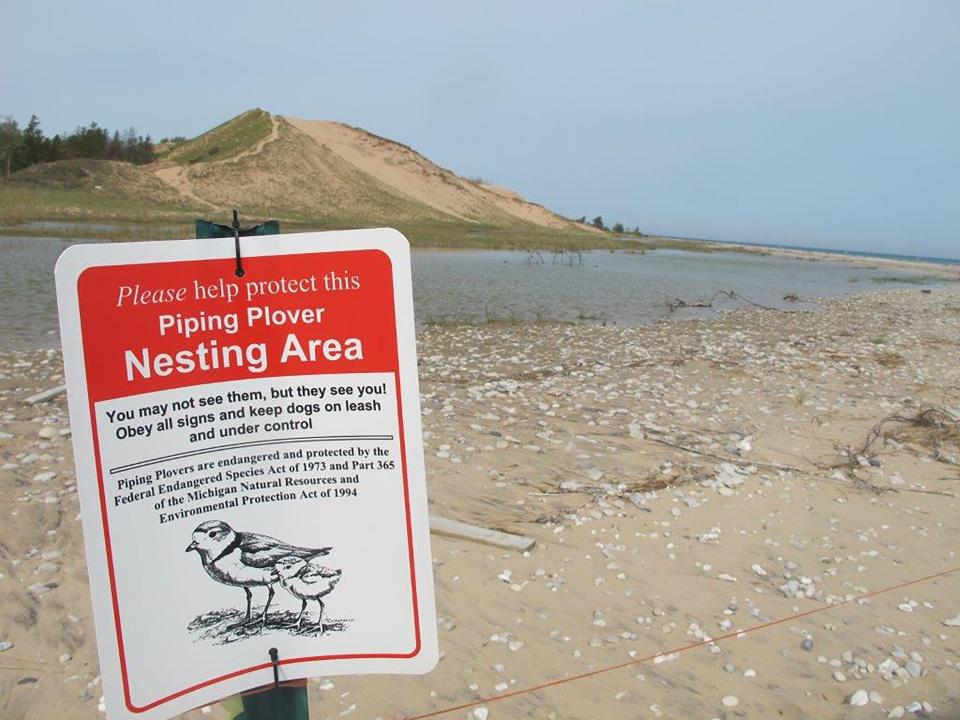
(675, 303)
(567, 257)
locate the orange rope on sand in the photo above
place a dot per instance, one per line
(691, 646)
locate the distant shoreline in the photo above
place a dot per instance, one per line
(820, 251)
(941, 267)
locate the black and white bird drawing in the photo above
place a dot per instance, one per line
(306, 580)
(245, 559)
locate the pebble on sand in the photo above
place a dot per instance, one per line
(859, 698)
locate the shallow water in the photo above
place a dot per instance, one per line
(485, 285)
(619, 287)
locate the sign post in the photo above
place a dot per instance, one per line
(249, 463)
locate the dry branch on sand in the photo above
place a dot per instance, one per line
(929, 430)
(930, 427)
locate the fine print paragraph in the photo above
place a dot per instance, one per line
(193, 451)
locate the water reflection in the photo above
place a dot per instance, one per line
(492, 285)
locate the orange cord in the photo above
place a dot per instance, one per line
(691, 646)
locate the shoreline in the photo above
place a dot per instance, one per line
(812, 305)
(947, 271)
(130, 231)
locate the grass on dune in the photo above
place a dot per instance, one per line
(225, 140)
(24, 203)
(24, 210)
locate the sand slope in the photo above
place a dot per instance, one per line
(408, 172)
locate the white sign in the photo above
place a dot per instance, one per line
(249, 462)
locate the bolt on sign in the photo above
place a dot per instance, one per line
(249, 461)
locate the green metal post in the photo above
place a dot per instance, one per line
(287, 702)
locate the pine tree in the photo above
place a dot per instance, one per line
(53, 149)
(115, 149)
(34, 144)
(11, 142)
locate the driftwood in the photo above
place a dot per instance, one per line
(455, 529)
(45, 395)
(725, 458)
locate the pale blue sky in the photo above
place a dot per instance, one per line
(820, 123)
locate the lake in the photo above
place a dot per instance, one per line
(490, 285)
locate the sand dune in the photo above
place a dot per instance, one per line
(308, 172)
(324, 169)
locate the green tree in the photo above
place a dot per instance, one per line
(618, 227)
(11, 142)
(115, 148)
(34, 143)
(53, 149)
(598, 223)
(88, 142)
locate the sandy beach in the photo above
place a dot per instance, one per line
(930, 269)
(682, 481)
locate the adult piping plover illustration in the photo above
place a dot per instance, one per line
(306, 580)
(244, 559)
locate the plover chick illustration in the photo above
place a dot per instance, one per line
(306, 580)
